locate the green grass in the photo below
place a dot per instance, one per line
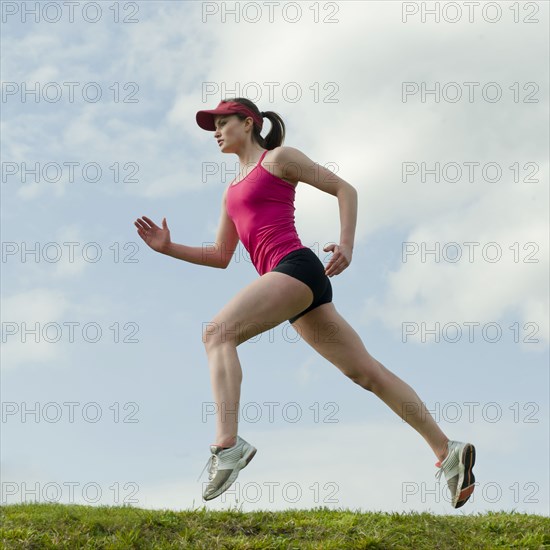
(38, 526)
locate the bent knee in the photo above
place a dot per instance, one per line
(215, 334)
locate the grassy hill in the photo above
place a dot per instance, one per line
(37, 526)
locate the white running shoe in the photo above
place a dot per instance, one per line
(457, 467)
(225, 465)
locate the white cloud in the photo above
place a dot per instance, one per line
(31, 311)
(480, 290)
(65, 255)
(36, 323)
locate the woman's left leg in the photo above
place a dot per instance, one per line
(336, 340)
(262, 305)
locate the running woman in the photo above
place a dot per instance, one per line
(258, 208)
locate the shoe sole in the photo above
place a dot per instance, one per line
(466, 478)
(242, 463)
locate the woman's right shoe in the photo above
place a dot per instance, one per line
(457, 467)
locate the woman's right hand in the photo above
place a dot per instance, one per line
(158, 238)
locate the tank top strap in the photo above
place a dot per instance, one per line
(263, 155)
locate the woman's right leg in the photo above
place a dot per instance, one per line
(333, 338)
(336, 340)
(265, 303)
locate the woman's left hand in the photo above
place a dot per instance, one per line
(341, 258)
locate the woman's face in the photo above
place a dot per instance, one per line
(230, 131)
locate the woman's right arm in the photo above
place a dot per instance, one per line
(217, 255)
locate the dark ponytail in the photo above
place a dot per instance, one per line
(276, 136)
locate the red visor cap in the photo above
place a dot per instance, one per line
(205, 119)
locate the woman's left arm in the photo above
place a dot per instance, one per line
(295, 165)
(342, 253)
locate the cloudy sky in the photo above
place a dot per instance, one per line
(439, 120)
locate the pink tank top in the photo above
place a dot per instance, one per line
(262, 209)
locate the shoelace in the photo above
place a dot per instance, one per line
(213, 461)
(439, 472)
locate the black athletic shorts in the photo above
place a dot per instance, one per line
(304, 265)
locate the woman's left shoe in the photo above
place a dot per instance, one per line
(457, 467)
(225, 465)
